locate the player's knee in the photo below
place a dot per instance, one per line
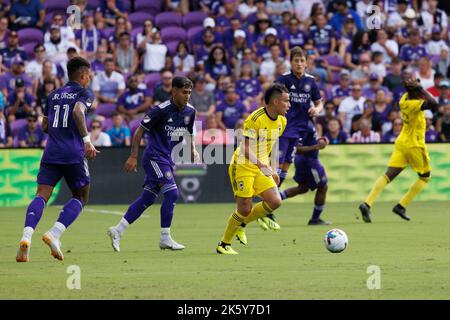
(274, 203)
(245, 209)
(171, 195)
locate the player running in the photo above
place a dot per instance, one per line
(165, 124)
(250, 171)
(64, 156)
(303, 90)
(409, 149)
(310, 173)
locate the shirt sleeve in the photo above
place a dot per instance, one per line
(151, 118)
(250, 129)
(87, 98)
(95, 84)
(121, 82)
(315, 92)
(191, 123)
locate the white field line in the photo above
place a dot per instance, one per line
(116, 213)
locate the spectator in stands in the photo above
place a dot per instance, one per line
(32, 136)
(276, 7)
(212, 134)
(370, 90)
(223, 83)
(433, 17)
(349, 31)
(394, 78)
(163, 92)
(381, 110)
(365, 134)
(34, 67)
(249, 59)
(263, 49)
(3, 32)
(98, 64)
(405, 32)
(48, 86)
(351, 106)
(201, 38)
(323, 120)
(108, 11)
(155, 53)
(183, 61)
(388, 47)
(334, 133)
(46, 73)
(436, 44)
(342, 90)
(228, 34)
(322, 36)
(387, 126)
(7, 81)
(56, 48)
(444, 92)
(438, 77)
(202, 99)
(308, 11)
(12, 50)
(443, 125)
(6, 139)
(443, 64)
(119, 133)
(392, 134)
(268, 67)
(342, 11)
(89, 38)
(205, 47)
(121, 26)
(108, 85)
(180, 6)
(216, 65)
(237, 48)
(125, 55)
(261, 25)
(317, 67)
(246, 8)
(425, 73)
(27, 14)
(353, 52)
(98, 137)
(396, 18)
(223, 20)
(249, 87)
(146, 30)
(230, 110)
(134, 102)
(67, 33)
(412, 51)
(19, 102)
(294, 36)
(62, 67)
(431, 135)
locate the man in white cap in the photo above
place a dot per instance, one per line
(208, 24)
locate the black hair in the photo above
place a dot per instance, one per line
(75, 66)
(108, 60)
(37, 46)
(275, 89)
(182, 82)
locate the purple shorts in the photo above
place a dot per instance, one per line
(76, 175)
(310, 172)
(287, 149)
(157, 174)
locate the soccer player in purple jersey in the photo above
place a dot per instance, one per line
(310, 173)
(303, 90)
(68, 147)
(165, 124)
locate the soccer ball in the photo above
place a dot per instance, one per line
(336, 240)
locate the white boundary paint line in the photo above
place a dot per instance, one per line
(116, 213)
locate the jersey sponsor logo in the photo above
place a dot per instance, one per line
(173, 131)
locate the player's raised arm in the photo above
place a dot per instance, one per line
(79, 116)
(131, 163)
(430, 101)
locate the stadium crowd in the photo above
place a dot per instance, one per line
(232, 50)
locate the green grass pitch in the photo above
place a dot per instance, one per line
(292, 263)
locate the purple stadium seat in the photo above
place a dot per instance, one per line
(168, 19)
(108, 32)
(332, 60)
(27, 35)
(192, 32)
(107, 124)
(29, 49)
(153, 7)
(152, 79)
(137, 18)
(172, 46)
(17, 125)
(170, 34)
(106, 109)
(134, 124)
(16, 142)
(136, 31)
(56, 5)
(335, 77)
(93, 4)
(194, 19)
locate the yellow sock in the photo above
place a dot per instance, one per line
(258, 211)
(414, 191)
(378, 186)
(234, 221)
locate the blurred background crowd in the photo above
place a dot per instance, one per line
(232, 50)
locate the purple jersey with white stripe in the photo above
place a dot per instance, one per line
(302, 91)
(299, 38)
(321, 38)
(409, 53)
(166, 125)
(65, 144)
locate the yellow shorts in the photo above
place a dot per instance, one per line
(248, 183)
(416, 157)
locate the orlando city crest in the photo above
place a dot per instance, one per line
(187, 119)
(307, 87)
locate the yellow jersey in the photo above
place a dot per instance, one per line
(263, 133)
(414, 123)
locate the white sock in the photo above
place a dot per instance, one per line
(122, 225)
(27, 234)
(57, 230)
(165, 233)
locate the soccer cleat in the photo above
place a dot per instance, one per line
(318, 222)
(365, 212)
(270, 222)
(23, 253)
(262, 224)
(240, 235)
(169, 243)
(115, 238)
(54, 244)
(401, 211)
(224, 248)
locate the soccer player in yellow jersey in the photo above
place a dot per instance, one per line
(252, 173)
(409, 149)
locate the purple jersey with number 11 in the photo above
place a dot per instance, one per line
(65, 144)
